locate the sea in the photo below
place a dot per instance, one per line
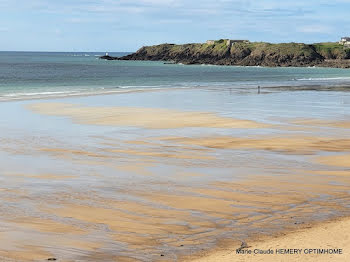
(28, 75)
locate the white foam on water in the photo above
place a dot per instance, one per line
(83, 92)
(324, 78)
(37, 93)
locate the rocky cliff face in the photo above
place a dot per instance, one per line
(247, 54)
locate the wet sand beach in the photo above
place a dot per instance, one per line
(141, 177)
(298, 245)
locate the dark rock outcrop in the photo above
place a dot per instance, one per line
(246, 54)
(107, 57)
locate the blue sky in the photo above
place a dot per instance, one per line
(123, 25)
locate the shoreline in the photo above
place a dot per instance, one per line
(301, 87)
(107, 93)
(332, 235)
(171, 62)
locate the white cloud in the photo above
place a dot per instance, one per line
(138, 21)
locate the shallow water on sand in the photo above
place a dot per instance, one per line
(105, 178)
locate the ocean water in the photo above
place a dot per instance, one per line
(38, 74)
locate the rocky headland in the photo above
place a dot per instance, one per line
(245, 53)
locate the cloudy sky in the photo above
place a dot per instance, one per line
(126, 25)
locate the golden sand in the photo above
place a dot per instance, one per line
(332, 235)
(46, 225)
(41, 176)
(287, 144)
(178, 155)
(63, 151)
(167, 218)
(336, 160)
(160, 216)
(26, 253)
(318, 122)
(140, 117)
(116, 220)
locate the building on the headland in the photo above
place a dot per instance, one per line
(229, 42)
(345, 41)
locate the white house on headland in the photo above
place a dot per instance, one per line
(345, 41)
(210, 42)
(229, 42)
